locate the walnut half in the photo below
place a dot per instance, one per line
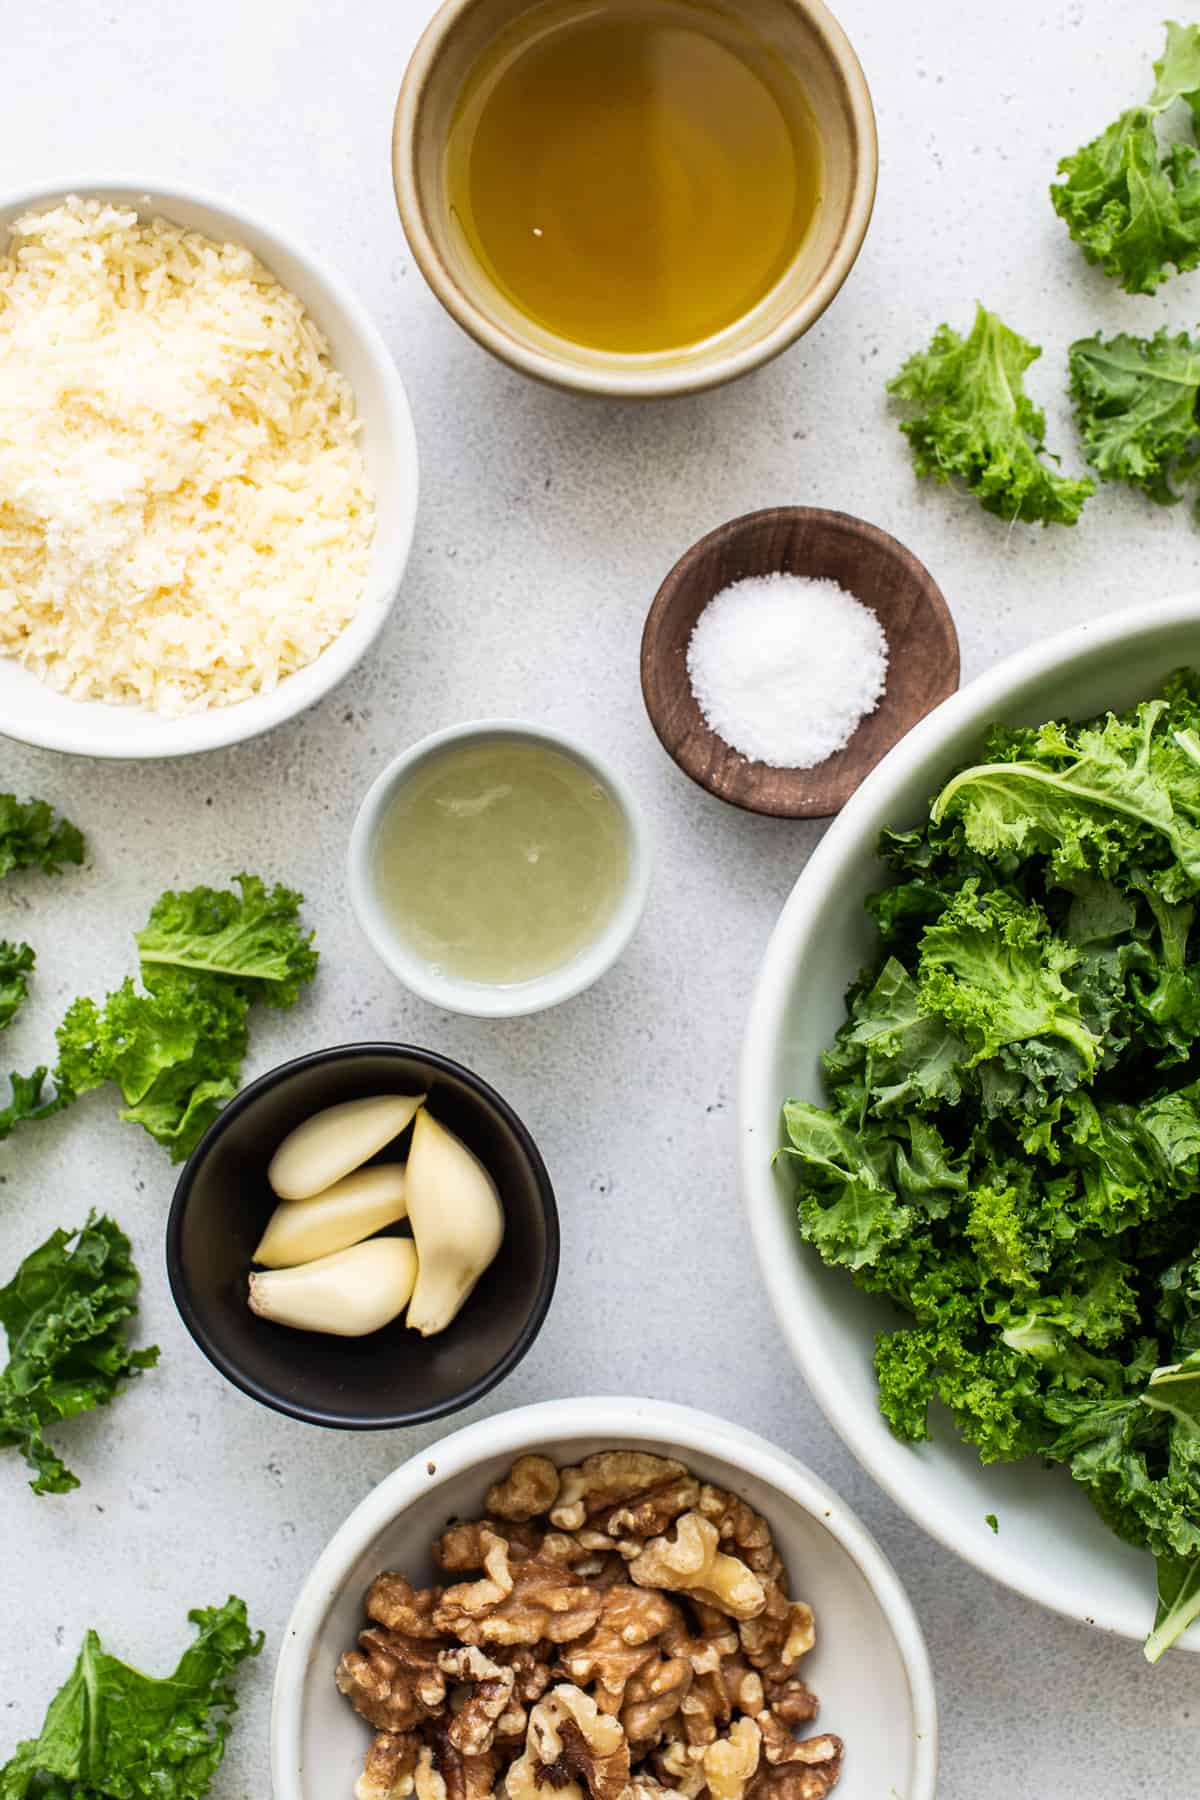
(393, 1681)
(692, 1562)
(389, 1768)
(573, 1747)
(518, 1602)
(529, 1488)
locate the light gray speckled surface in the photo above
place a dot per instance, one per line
(545, 527)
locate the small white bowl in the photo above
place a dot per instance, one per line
(1050, 1544)
(31, 711)
(870, 1668)
(484, 1000)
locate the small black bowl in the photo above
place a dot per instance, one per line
(393, 1377)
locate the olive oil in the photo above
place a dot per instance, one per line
(634, 175)
(500, 860)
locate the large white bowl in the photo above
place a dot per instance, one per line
(1050, 1545)
(869, 1669)
(31, 711)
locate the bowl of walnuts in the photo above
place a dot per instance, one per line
(603, 1600)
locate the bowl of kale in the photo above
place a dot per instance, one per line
(970, 1123)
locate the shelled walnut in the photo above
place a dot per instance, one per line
(617, 1630)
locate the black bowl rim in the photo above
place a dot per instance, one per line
(312, 1415)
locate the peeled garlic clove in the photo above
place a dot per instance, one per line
(348, 1294)
(354, 1208)
(333, 1142)
(456, 1218)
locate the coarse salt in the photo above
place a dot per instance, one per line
(784, 668)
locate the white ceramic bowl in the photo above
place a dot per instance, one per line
(31, 711)
(1050, 1546)
(479, 999)
(870, 1667)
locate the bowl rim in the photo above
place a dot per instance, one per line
(220, 726)
(192, 1316)
(483, 1000)
(630, 1419)
(885, 1458)
(624, 376)
(655, 646)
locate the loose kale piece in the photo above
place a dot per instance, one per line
(65, 1312)
(254, 940)
(973, 419)
(1135, 406)
(27, 1100)
(1010, 1145)
(112, 1733)
(16, 962)
(1128, 207)
(32, 837)
(175, 1053)
(174, 1047)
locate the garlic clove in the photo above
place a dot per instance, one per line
(335, 1142)
(354, 1208)
(457, 1221)
(348, 1294)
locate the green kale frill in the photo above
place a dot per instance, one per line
(1010, 1145)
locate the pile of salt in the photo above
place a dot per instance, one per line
(784, 667)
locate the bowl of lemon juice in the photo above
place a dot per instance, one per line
(498, 868)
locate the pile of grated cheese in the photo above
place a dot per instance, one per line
(185, 515)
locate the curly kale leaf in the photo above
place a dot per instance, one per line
(850, 1209)
(174, 1047)
(973, 419)
(32, 837)
(993, 972)
(16, 963)
(1177, 71)
(1092, 799)
(175, 1054)
(1135, 407)
(903, 1057)
(28, 1100)
(112, 1733)
(992, 1394)
(65, 1312)
(1128, 207)
(254, 940)
(1178, 1602)
(1132, 1162)
(1138, 1456)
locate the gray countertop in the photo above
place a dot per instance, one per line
(546, 524)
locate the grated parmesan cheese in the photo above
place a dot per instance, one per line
(185, 516)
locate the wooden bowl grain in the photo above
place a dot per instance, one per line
(923, 660)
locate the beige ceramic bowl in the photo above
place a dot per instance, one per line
(809, 39)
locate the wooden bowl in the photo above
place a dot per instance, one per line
(923, 662)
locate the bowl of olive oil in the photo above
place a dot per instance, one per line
(498, 868)
(635, 197)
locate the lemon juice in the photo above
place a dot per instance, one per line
(499, 861)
